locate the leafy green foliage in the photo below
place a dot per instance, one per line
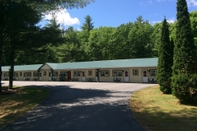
(119, 41)
(193, 19)
(185, 88)
(140, 39)
(165, 60)
(156, 35)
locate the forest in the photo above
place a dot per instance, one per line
(138, 39)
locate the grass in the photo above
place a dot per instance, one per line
(16, 102)
(155, 111)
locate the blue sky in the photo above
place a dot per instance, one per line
(116, 12)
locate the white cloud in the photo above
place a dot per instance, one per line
(62, 17)
(192, 2)
(172, 20)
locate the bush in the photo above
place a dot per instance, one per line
(165, 86)
(185, 88)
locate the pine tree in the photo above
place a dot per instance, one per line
(184, 81)
(165, 60)
(88, 25)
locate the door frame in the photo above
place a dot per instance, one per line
(144, 76)
(126, 76)
(83, 76)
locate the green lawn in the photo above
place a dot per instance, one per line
(155, 111)
(21, 100)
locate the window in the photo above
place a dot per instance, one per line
(126, 74)
(105, 73)
(55, 73)
(35, 74)
(15, 74)
(152, 73)
(6, 75)
(117, 72)
(64, 73)
(89, 73)
(135, 72)
(45, 73)
(21, 74)
(27, 74)
(76, 73)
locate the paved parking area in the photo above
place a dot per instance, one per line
(81, 106)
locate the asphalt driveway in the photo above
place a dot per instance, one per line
(78, 106)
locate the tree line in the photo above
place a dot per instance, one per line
(138, 39)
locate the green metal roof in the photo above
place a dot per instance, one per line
(122, 63)
(23, 67)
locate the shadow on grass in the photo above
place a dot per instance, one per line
(75, 109)
(17, 101)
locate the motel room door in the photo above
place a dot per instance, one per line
(83, 76)
(69, 75)
(144, 76)
(126, 76)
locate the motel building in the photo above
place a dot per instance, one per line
(123, 70)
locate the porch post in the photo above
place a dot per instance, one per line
(51, 74)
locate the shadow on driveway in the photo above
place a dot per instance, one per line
(74, 109)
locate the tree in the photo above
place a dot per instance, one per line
(140, 42)
(165, 60)
(2, 22)
(15, 27)
(70, 49)
(40, 5)
(84, 35)
(121, 47)
(193, 19)
(156, 35)
(88, 25)
(184, 80)
(99, 46)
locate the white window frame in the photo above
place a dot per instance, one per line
(90, 73)
(105, 73)
(28, 74)
(76, 73)
(117, 73)
(135, 72)
(153, 73)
